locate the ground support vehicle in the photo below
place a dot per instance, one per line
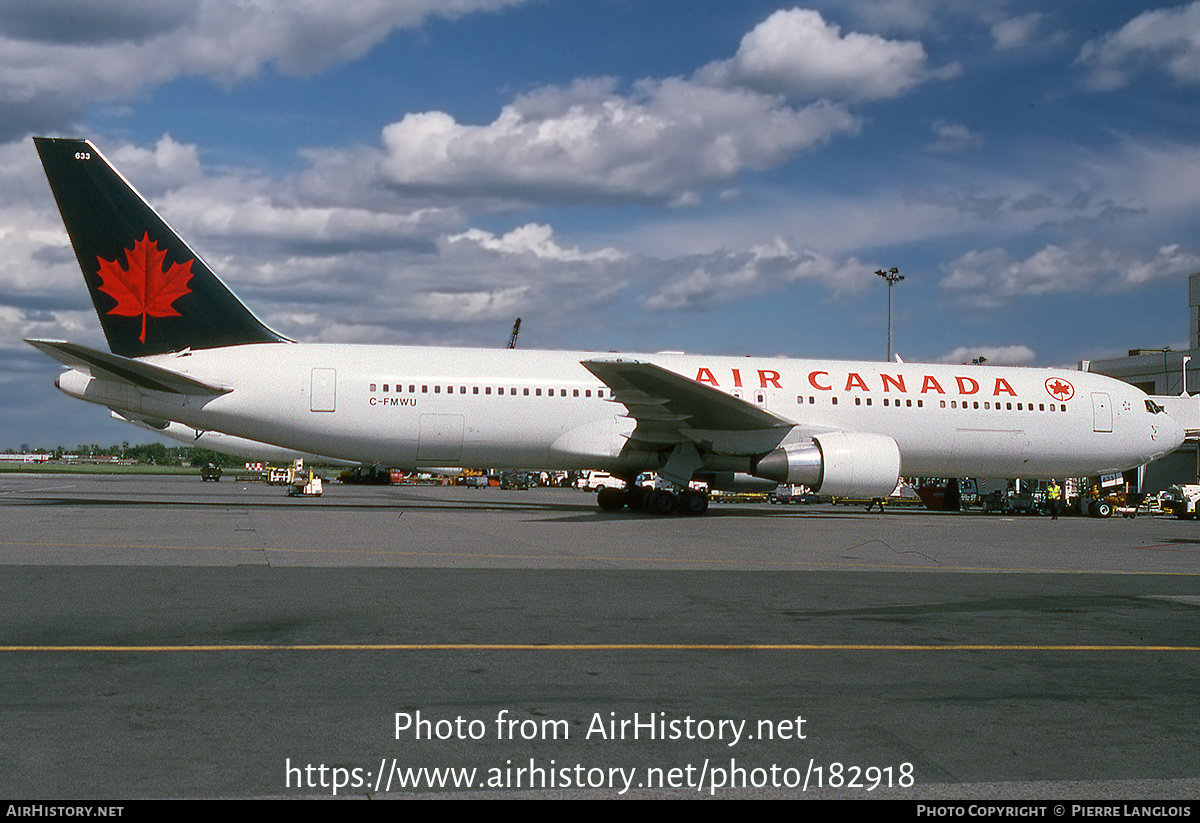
(1182, 501)
(301, 486)
(596, 480)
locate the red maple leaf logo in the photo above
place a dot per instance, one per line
(145, 287)
(1059, 389)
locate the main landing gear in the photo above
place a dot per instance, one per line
(654, 501)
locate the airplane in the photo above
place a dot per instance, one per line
(185, 350)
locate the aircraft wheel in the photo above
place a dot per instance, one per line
(693, 504)
(611, 500)
(660, 501)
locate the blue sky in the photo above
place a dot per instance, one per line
(623, 174)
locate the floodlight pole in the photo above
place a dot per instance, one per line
(892, 276)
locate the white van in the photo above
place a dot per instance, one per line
(591, 481)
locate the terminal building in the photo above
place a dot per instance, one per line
(1169, 373)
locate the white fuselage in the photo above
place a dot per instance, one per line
(413, 406)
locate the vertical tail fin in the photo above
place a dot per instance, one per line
(153, 294)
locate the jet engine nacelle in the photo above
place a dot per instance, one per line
(849, 464)
(737, 482)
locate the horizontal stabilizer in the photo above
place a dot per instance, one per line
(125, 370)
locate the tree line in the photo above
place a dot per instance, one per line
(155, 454)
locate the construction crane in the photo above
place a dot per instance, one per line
(512, 340)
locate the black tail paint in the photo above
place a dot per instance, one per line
(152, 293)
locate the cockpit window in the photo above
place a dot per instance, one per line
(1153, 407)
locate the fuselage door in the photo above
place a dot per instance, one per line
(1101, 412)
(323, 393)
(440, 439)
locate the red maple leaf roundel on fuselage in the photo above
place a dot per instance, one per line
(1059, 389)
(145, 287)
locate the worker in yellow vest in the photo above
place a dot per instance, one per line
(1053, 497)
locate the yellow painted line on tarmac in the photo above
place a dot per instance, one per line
(503, 647)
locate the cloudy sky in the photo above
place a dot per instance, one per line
(709, 176)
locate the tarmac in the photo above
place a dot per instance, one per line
(164, 637)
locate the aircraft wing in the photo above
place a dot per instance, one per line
(124, 369)
(671, 409)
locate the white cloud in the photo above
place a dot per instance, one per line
(586, 142)
(204, 211)
(729, 276)
(535, 239)
(994, 355)
(168, 165)
(951, 138)
(992, 277)
(796, 53)
(1016, 32)
(1168, 39)
(17, 324)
